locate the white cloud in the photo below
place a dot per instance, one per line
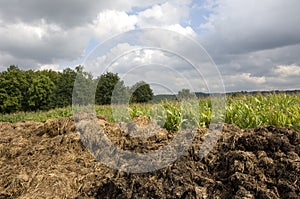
(252, 79)
(162, 15)
(251, 41)
(99, 62)
(41, 42)
(244, 81)
(187, 31)
(241, 26)
(53, 67)
(165, 68)
(111, 22)
(27, 33)
(287, 70)
(49, 35)
(255, 43)
(67, 13)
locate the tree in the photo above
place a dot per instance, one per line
(13, 68)
(13, 84)
(84, 87)
(185, 94)
(40, 92)
(55, 77)
(64, 88)
(141, 92)
(109, 83)
(9, 103)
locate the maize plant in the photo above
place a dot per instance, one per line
(245, 111)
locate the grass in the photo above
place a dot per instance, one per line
(245, 111)
(39, 116)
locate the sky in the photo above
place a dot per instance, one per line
(204, 45)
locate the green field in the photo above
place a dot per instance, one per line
(245, 111)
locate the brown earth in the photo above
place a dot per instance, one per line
(48, 160)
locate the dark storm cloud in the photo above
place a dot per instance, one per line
(66, 13)
(249, 39)
(238, 27)
(35, 32)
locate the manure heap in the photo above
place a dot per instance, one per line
(48, 160)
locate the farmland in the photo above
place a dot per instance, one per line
(256, 156)
(245, 111)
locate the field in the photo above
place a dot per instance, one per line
(245, 111)
(257, 154)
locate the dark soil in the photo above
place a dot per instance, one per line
(48, 160)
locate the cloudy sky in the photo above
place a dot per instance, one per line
(206, 45)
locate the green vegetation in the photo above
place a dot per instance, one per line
(274, 109)
(105, 87)
(162, 97)
(25, 91)
(141, 92)
(185, 94)
(245, 111)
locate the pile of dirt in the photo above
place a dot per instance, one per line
(49, 160)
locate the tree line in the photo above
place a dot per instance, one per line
(28, 90)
